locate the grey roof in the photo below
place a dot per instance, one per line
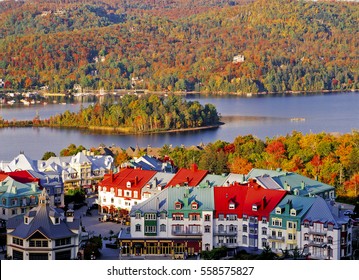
(155, 203)
(233, 178)
(255, 172)
(212, 180)
(41, 222)
(21, 162)
(267, 182)
(160, 179)
(321, 211)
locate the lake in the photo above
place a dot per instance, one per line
(262, 116)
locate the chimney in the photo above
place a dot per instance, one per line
(194, 167)
(264, 201)
(302, 185)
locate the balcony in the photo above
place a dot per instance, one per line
(317, 232)
(186, 232)
(276, 238)
(225, 233)
(317, 244)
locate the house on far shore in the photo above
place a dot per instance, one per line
(43, 233)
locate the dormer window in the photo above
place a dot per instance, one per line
(254, 207)
(293, 212)
(57, 221)
(26, 220)
(194, 205)
(128, 184)
(178, 205)
(278, 210)
(231, 205)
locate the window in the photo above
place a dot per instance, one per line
(330, 227)
(150, 229)
(194, 206)
(150, 216)
(264, 243)
(244, 239)
(254, 207)
(264, 220)
(220, 228)
(194, 217)
(112, 200)
(14, 202)
(276, 222)
(162, 228)
(207, 218)
(38, 243)
(245, 217)
(330, 240)
(104, 199)
(220, 217)
(264, 231)
(62, 242)
(138, 228)
(232, 228)
(17, 241)
(135, 194)
(3, 211)
(57, 221)
(231, 240)
(14, 211)
(119, 192)
(278, 210)
(279, 234)
(163, 215)
(293, 212)
(244, 228)
(178, 205)
(128, 193)
(231, 217)
(306, 224)
(290, 236)
(253, 220)
(138, 215)
(207, 229)
(232, 205)
(177, 217)
(306, 237)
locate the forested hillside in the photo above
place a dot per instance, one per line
(281, 45)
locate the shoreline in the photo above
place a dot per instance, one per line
(117, 131)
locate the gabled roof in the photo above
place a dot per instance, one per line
(235, 178)
(255, 172)
(304, 185)
(188, 195)
(300, 203)
(42, 223)
(265, 200)
(23, 176)
(138, 178)
(212, 180)
(326, 212)
(233, 194)
(157, 203)
(158, 182)
(21, 162)
(11, 188)
(191, 177)
(268, 182)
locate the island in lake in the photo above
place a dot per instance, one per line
(133, 114)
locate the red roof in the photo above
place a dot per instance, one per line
(137, 177)
(3, 176)
(191, 177)
(22, 176)
(264, 200)
(224, 197)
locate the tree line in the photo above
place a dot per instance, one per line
(132, 114)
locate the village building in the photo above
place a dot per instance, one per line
(43, 233)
